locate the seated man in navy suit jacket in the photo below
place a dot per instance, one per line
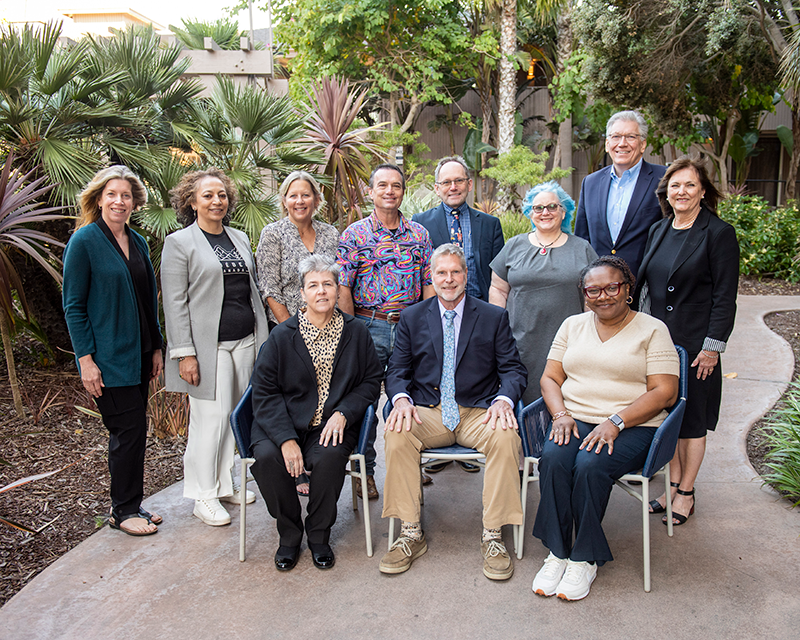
(618, 204)
(455, 376)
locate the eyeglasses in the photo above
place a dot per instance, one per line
(630, 138)
(552, 207)
(458, 182)
(611, 289)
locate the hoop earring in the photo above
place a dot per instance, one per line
(629, 300)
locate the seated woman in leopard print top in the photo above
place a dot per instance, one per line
(312, 384)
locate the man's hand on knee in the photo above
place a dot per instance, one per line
(403, 414)
(500, 414)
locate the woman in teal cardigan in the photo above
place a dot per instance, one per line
(111, 308)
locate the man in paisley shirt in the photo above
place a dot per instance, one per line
(385, 262)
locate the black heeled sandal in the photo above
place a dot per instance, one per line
(681, 519)
(656, 506)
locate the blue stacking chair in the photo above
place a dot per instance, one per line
(535, 421)
(241, 423)
(440, 454)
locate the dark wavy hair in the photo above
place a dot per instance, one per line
(615, 263)
(184, 194)
(700, 165)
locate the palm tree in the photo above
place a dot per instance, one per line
(19, 209)
(332, 112)
(790, 80)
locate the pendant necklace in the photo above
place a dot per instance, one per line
(545, 247)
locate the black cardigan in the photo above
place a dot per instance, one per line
(285, 382)
(703, 282)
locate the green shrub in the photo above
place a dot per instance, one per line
(767, 235)
(782, 438)
(513, 224)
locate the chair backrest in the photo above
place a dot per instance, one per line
(363, 437)
(662, 449)
(533, 421)
(242, 421)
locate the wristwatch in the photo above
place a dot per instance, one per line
(617, 421)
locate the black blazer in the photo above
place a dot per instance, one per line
(591, 222)
(487, 240)
(285, 382)
(703, 282)
(487, 360)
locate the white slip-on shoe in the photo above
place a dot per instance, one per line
(211, 512)
(549, 576)
(578, 577)
(236, 498)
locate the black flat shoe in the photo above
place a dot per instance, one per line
(656, 506)
(469, 468)
(286, 558)
(322, 555)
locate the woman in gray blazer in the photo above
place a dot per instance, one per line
(215, 324)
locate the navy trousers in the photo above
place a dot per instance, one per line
(575, 486)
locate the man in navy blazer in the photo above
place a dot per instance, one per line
(478, 234)
(618, 204)
(455, 376)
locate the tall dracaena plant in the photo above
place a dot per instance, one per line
(20, 207)
(334, 108)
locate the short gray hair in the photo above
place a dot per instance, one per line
(448, 249)
(319, 264)
(444, 161)
(628, 116)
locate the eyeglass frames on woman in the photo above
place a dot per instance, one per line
(458, 182)
(611, 289)
(552, 207)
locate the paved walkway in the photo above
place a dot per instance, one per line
(731, 571)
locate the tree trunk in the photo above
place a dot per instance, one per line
(791, 177)
(564, 28)
(485, 93)
(508, 84)
(12, 369)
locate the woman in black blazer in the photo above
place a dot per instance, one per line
(689, 278)
(313, 381)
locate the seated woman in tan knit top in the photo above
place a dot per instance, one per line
(610, 375)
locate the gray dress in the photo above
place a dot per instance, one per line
(544, 292)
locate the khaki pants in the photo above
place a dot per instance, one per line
(402, 490)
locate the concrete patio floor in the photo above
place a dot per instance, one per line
(733, 571)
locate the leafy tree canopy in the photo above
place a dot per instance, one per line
(677, 59)
(407, 49)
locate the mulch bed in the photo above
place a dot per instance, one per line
(67, 507)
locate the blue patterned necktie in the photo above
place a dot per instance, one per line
(455, 230)
(450, 416)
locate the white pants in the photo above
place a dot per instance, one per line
(208, 460)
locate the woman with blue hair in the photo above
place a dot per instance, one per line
(536, 276)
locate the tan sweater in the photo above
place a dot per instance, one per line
(604, 378)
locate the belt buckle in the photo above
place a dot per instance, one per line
(393, 317)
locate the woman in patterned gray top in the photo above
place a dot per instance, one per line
(283, 244)
(215, 325)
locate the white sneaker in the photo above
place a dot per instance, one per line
(549, 576)
(236, 498)
(577, 579)
(211, 512)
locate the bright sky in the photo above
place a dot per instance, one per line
(165, 13)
